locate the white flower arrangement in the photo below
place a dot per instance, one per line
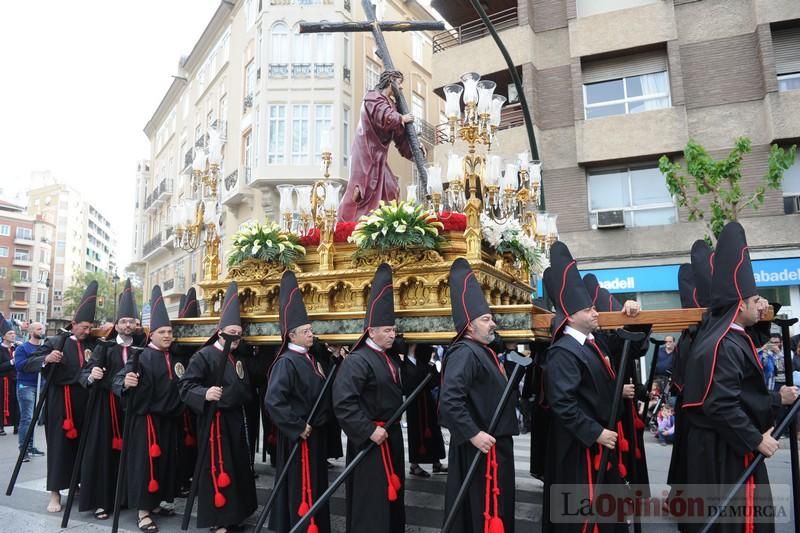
(510, 237)
(265, 242)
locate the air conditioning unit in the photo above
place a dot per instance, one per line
(791, 204)
(612, 218)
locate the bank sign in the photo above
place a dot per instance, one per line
(768, 273)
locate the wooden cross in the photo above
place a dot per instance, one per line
(377, 28)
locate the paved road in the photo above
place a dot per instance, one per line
(24, 511)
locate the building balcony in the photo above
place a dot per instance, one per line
(24, 242)
(20, 282)
(475, 29)
(651, 133)
(19, 304)
(22, 262)
(173, 287)
(234, 189)
(610, 31)
(783, 108)
(151, 246)
(301, 70)
(161, 194)
(323, 70)
(278, 70)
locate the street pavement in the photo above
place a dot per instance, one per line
(24, 511)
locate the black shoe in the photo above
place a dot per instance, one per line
(26, 458)
(2, 432)
(440, 469)
(35, 452)
(416, 470)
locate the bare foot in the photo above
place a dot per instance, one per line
(54, 506)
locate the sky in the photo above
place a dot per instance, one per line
(81, 78)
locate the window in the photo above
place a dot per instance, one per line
(22, 255)
(3, 272)
(25, 233)
(56, 294)
(256, 140)
(19, 296)
(40, 316)
(247, 155)
(640, 192)
(627, 84)
(43, 276)
(346, 135)
(323, 115)
(41, 297)
(417, 107)
(276, 150)
(300, 134)
(5, 230)
(3, 251)
(417, 47)
(373, 74)
(660, 300)
(279, 49)
(325, 48)
(223, 108)
(22, 275)
(249, 83)
(19, 317)
(302, 54)
(791, 180)
(786, 45)
(250, 12)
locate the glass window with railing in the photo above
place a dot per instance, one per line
(622, 96)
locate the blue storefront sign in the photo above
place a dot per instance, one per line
(768, 273)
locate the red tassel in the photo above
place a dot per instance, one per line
(496, 525)
(623, 470)
(152, 487)
(155, 450)
(303, 509)
(189, 441)
(638, 453)
(638, 423)
(428, 433)
(597, 462)
(72, 433)
(68, 424)
(313, 528)
(116, 443)
(224, 480)
(391, 493)
(219, 500)
(623, 444)
(396, 482)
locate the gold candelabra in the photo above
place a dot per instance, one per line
(188, 235)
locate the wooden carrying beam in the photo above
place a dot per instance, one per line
(662, 320)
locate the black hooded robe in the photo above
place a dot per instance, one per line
(64, 376)
(154, 405)
(295, 383)
(188, 427)
(230, 450)
(366, 391)
(100, 461)
(9, 412)
(425, 441)
(579, 389)
(472, 385)
(724, 431)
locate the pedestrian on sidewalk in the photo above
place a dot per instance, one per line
(26, 386)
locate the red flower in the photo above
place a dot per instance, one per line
(452, 221)
(343, 231)
(310, 239)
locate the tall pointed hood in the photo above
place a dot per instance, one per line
(88, 304)
(732, 281)
(127, 303)
(565, 286)
(702, 269)
(380, 306)
(466, 296)
(687, 287)
(292, 312)
(158, 310)
(607, 302)
(230, 313)
(592, 287)
(189, 308)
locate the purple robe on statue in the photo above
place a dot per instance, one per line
(379, 125)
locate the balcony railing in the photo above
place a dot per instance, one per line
(167, 285)
(301, 70)
(152, 245)
(231, 179)
(346, 74)
(188, 157)
(323, 70)
(426, 131)
(247, 103)
(474, 30)
(162, 191)
(279, 70)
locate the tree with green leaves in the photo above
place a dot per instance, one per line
(712, 191)
(105, 295)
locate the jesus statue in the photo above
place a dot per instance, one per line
(371, 179)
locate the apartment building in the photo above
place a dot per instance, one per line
(84, 240)
(276, 96)
(614, 85)
(25, 264)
